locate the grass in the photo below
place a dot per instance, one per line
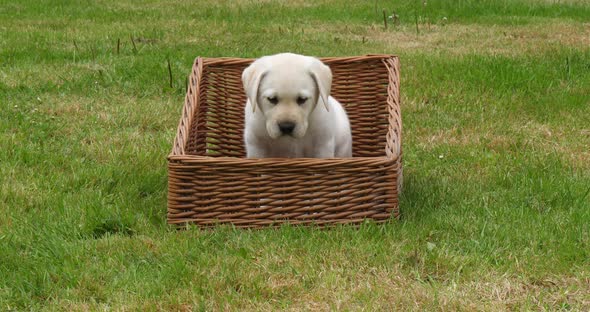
(497, 193)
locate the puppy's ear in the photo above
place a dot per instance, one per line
(251, 78)
(322, 75)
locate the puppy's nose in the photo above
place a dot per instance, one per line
(286, 127)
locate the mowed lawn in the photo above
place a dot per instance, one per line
(496, 202)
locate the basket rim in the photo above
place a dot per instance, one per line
(188, 158)
(228, 60)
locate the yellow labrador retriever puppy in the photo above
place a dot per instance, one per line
(283, 117)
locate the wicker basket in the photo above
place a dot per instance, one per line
(211, 182)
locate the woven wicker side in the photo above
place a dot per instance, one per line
(394, 134)
(361, 87)
(209, 190)
(220, 124)
(181, 141)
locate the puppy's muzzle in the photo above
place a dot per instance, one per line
(286, 127)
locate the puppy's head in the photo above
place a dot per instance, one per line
(287, 88)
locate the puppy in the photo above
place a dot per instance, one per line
(283, 117)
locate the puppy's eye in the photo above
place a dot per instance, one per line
(273, 99)
(301, 100)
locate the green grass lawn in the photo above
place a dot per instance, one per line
(496, 203)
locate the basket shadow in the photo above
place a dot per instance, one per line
(421, 195)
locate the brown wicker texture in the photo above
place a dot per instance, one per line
(211, 182)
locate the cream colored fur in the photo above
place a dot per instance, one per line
(290, 91)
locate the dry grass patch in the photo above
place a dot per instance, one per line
(233, 5)
(570, 2)
(460, 39)
(387, 290)
(569, 143)
(563, 140)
